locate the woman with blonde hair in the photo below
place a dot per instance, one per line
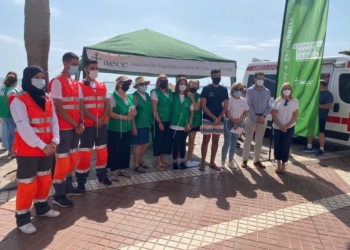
(235, 114)
(162, 100)
(284, 114)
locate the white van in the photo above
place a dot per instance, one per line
(336, 70)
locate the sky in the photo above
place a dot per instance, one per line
(234, 29)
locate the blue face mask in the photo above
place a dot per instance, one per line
(237, 93)
(38, 83)
(143, 88)
(73, 70)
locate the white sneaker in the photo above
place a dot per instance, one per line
(232, 165)
(195, 163)
(189, 164)
(178, 161)
(223, 164)
(52, 214)
(28, 228)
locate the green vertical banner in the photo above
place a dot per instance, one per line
(300, 58)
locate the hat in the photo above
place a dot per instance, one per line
(123, 79)
(140, 80)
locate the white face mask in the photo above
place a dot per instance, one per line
(143, 88)
(182, 87)
(38, 83)
(93, 74)
(260, 82)
(286, 92)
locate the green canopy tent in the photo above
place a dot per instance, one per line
(149, 53)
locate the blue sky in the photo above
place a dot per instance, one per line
(235, 29)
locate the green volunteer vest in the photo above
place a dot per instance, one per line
(120, 108)
(4, 105)
(180, 111)
(197, 116)
(164, 105)
(144, 117)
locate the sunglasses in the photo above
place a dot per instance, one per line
(238, 89)
(286, 103)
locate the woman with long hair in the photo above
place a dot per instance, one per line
(8, 89)
(284, 114)
(162, 100)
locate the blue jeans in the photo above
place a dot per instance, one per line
(10, 130)
(230, 140)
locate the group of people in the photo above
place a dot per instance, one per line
(58, 131)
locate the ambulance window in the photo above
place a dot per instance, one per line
(344, 87)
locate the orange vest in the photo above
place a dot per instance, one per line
(94, 102)
(70, 101)
(40, 121)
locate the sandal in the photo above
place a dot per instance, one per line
(142, 165)
(201, 169)
(125, 174)
(283, 169)
(166, 164)
(161, 167)
(139, 169)
(115, 177)
(215, 168)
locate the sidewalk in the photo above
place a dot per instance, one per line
(307, 208)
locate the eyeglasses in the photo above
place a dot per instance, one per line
(238, 89)
(286, 103)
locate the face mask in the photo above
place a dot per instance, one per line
(93, 74)
(324, 84)
(193, 90)
(260, 82)
(286, 92)
(216, 80)
(143, 88)
(182, 87)
(163, 84)
(125, 87)
(237, 93)
(73, 70)
(38, 83)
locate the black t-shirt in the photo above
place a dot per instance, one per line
(325, 98)
(215, 97)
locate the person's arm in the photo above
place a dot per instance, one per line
(113, 115)
(251, 110)
(275, 119)
(63, 113)
(269, 105)
(223, 110)
(196, 105)
(55, 127)
(134, 129)
(20, 117)
(295, 114)
(205, 109)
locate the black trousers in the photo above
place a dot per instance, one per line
(118, 147)
(282, 143)
(179, 143)
(162, 140)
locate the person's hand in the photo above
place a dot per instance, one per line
(235, 126)
(98, 123)
(134, 131)
(187, 127)
(217, 120)
(80, 128)
(190, 95)
(131, 113)
(49, 149)
(261, 119)
(284, 129)
(161, 126)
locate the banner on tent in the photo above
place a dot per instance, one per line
(130, 63)
(300, 59)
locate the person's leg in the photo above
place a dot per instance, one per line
(214, 149)
(277, 148)
(322, 139)
(157, 143)
(85, 153)
(191, 138)
(101, 155)
(137, 154)
(74, 155)
(176, 146)
(233, 143)
(26, 189)
(4, 135)
(113, 146)
(259, 136)
(227, 140)
(167, 141)
(204, 149)
(44, 182)
(11, 126)
(125, 149)
(250, 129)
(183, 139)
(287, 142)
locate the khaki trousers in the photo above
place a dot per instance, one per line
(259, 130)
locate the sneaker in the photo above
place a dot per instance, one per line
(307, 150)
(259, 164)
(195, 163)
(232, 165)
(244, 164)
(319, 153)
(52, 214)
(189, 164)
(183, 166)
(223, 164)
(62, 201)
(28, 228)
(81, 187)
(76, 191)
(106, 181)
(175, 166)
(178, 161)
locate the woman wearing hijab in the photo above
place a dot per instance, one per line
(38, 136)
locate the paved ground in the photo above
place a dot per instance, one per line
(307, 208)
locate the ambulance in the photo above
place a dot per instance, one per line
(335, 70)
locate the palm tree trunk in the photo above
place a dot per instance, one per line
(37, 32)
